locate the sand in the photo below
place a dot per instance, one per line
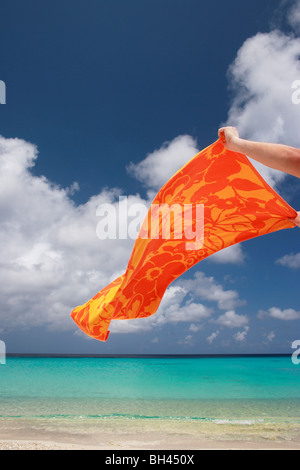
(23, 444)
(22, 434)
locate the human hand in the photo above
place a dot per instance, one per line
(229, 137)
(296, 220)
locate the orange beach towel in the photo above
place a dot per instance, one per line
(219, 188)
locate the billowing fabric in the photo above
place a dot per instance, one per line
(238, 205)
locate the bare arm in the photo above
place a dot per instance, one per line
(277, 156)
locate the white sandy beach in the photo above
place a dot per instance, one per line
(154, 435)
(199, 445)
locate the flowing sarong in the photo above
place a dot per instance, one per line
(218, 198)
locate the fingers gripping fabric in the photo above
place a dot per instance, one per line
(218, 187)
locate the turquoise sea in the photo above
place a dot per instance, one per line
(231, 388)
(262, 392)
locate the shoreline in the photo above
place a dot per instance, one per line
(123, 435)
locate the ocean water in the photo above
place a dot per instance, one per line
(234, 390)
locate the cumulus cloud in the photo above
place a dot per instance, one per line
(241, 335)
(191, 312)
(174, 308)
(293, 16)
(213, 336)
(232, 254)
(274, 312)
(271, 336)
(181, 304)
(188, 340)
(158, 167)
(195, 327)
(291, 261)
(261, 79)
(51, 258)
(231, 319)
(207, 288)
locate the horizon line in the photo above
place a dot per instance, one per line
(144, 355)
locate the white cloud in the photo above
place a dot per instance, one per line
(158, 167)
(213, 336)
(261, 77)
(232, 254)
(194, 328)
(51, 258)
(241, 335)
(231, 319)
(291, 261)
(188, 340)
(179, 305)
(294, 16)
(208, 289)
(137, 325)
(155, 340)
(271, 336)
(173, 309)
(192, 312)
(274, 312)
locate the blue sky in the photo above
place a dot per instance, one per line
(96, 87)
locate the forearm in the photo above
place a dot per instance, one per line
(278, 156)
